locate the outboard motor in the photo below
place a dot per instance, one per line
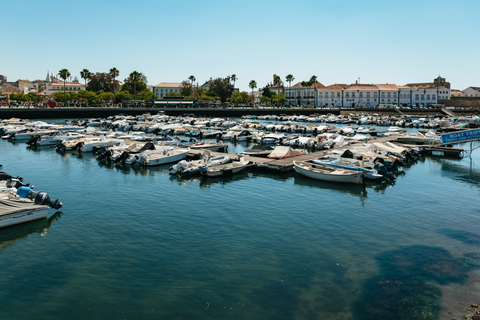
(379, 166)
(33, 141)
(16, 183)
(40, 198)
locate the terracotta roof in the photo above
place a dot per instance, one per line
(10, 89)
(475, 88)
(169, 85)
(67, 84)
(387, 86)
(335, 87)
(318, 85)
(363, 87)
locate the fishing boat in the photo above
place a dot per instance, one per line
(225, 169)
(328, 173)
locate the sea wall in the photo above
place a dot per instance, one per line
(462, 102)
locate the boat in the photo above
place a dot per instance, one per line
(164, 157)
(225, 169)
(53, 139)
(188, 168)
(281, 152)
(214, 146)
(258, 151)
(328, 173)
(350, 164)
(429, 137)
(14, 212)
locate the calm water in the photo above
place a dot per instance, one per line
(140, 244)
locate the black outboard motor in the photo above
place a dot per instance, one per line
(33, 141)
(16, 183)
(379, 166)
(40, 198)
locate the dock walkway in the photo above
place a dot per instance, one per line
(286, 164)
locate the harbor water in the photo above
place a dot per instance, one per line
(137, 243)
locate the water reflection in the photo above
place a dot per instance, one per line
(456, 170)
(10, 235)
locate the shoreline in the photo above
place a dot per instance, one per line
(96, 112)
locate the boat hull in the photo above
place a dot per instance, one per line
(351, 177)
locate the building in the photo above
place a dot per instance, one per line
(53, 87)
(164, 88)
(471, 92)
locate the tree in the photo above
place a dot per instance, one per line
(64, 74)
(114, 73)
(234, 78)
(276, 80)
(192, 79)
(222, 88)
(240, 97)
(85, 74)
(123, 96)
(107, 96)
(101, 82)
(136, 80)
(313, 80)
(290, 79)
(187, 89)
(253, 85)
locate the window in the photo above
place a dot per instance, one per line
(433, 97)
(347, 95)
(360, 94)
(423, 97)
(428, 97)
(375, 95)
(368, 94)
(383, 95)
(353, 94)
(389, 94)
(416, 96)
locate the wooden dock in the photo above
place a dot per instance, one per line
(286, 164)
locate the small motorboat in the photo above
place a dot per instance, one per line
(189, 168)
(208, 145)
(328, 173)
(258, 151)
(225, 169)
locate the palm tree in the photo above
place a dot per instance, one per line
(253, 85)
(85, 74)
(313, 80)
(64, 74)
(289, 79)
(192, 79)
(135, 76)
(114, 73)
(234, 78)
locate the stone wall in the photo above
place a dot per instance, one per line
(462, 102)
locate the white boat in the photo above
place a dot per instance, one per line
(225, 169)
(53, 139)
(327, 173)
(208, 145)
(88, 144)
(165, 157)
(258, 151)
(19, 211)
(188, 168)
(350, 164)
(429, 137)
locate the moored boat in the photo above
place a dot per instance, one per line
(328, 173)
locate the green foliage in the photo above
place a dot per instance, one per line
(240, 97)
(266, 92)
(136, 82)
(174, 94)
(123, 96)
(222, 88)
(107, 96)
(101, 82)
(146, 95)
(187, 88)
(290, 79)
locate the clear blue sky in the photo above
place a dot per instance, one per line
(338, 41)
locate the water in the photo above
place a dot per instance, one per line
(135, 243)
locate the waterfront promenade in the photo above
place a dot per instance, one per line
(75, 113)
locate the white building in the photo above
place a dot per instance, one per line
(53, 87)
(303, 95)
(471, 92)
(164, 88)
(332, 95)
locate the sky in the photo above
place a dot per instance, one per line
(339, 41)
